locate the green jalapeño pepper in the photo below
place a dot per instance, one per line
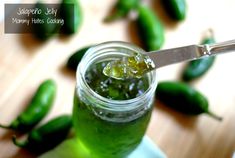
(150, 29)
(71, 12)
(122, 8)
(75, 58)
(42, 29)
(183, 98)
(176, 9)
(37, 109)
(199, 67)
(48, 135)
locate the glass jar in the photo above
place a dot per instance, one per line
(110, 122)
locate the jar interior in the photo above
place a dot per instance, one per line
(113, 104)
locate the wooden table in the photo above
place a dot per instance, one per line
(25, 62)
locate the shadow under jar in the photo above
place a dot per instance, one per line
(111, 116)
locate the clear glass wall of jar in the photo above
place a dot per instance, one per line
(111, 127)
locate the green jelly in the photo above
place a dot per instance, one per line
(108, 138)
(129, 67)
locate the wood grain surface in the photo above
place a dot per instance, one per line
(25, 62)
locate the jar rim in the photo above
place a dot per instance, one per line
(110, 104)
